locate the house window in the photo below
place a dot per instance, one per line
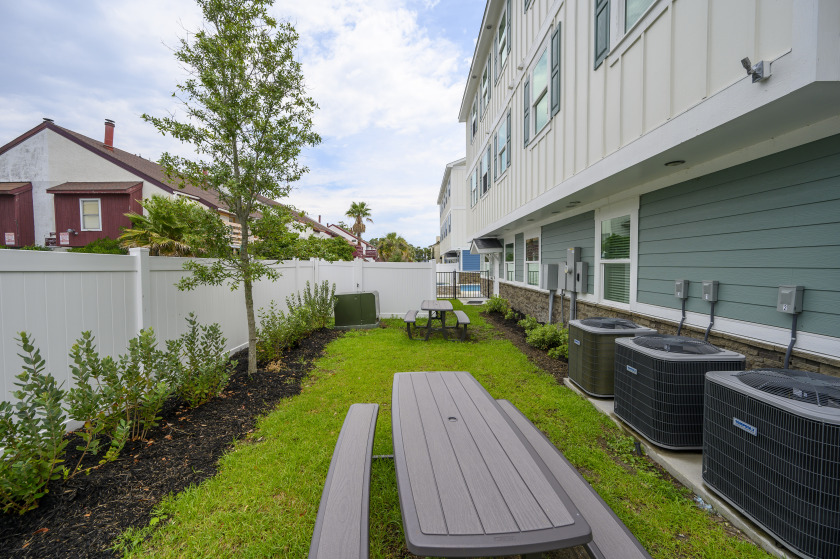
(602, 30)
(485, 171)
(91, 214)
(474, 187)
(502, 43)
(509, 263)
(633, 10)
(474, 119)
(501, 142)
(532, 260)
(485, 87)
(615, 258)
(539, 93)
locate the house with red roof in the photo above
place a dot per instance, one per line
(62, 188)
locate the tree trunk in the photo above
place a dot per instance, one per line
(252, 327)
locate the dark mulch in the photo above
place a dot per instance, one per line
(82, 517)
(516, 335)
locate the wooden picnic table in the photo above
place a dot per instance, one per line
(437, 311)
(470, 484)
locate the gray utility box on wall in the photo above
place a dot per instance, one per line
(570, 267)
(357, 310)
(790, 299)
(681, 289)
(710, 291)
(550, 277)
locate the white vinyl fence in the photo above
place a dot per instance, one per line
(55, 296)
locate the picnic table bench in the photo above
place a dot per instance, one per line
(341, 528)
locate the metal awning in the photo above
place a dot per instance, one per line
(486, 246)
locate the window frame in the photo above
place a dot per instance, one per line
(501, 147)
(510, 264)
(626, 207)
(474, 119)
(532, 263)
(501, 40)
(82, 213)
(485, 88)
(474, 196)
(485, 163)
(600, 7)
(549, 54)
(543, 94)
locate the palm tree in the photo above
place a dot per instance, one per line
(359, 211)
(393, 248)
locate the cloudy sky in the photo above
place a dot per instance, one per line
(388, 76)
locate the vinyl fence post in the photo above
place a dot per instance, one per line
(143, 288)
(359, 274)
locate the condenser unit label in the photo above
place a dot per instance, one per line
(577, 342)
(744, 426)
(632, 370)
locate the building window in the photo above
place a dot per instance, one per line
(474, 119)
(485, 87)
(502, 47)
(509, 263)
(485, 171)
(602, 30)
(91, 214)
(501, 143)
(532, 260)
(474, 187)
(539, 93)
(615, 258)
(633, 10)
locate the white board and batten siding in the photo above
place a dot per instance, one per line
(56, 296)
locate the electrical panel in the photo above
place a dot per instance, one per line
(790, 299)
(681, 289)
(572, 258)
(550, 277)
(581, 277)
(710, 291)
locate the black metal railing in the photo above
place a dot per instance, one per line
(461, 285)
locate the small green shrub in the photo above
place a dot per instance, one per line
(497, 304)
(559, 352)
(35, 247)
(548, 336)
(529, 323)
(31, 434)
(198, 363)
(101, 246)
(510, 314)
(142, 386)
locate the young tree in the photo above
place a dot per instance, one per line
(247, 117)
(394, 248)
(359, 211)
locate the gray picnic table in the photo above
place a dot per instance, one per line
(437, 311)
(470, 484)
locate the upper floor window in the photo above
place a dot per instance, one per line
(485, 171)
(485, 87)
(633, 10)
(602, 30)
(501, 142)
(539, 92)
(91, 213)
(503, 39)
(542, 88)
(474, 187)
(474, 118)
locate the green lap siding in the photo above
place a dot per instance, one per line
(519, 257)
(770, 222)
(577, 231)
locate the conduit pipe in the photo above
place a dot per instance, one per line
(792, 342)
(682, 320)
(711, 322)
(551, 293)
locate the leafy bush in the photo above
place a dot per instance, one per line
(510, 314)
(548, 336)
(559, 352)
(143, 385)
(35, 247)
(320, 303)
(529, 323)
(198, 362)
(31, 434)
(101, 246)
(497, 304)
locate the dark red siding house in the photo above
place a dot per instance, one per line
(17, 223)
(86, 211)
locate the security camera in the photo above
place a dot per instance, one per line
(72, 231)
(759, 71)
(745, 62)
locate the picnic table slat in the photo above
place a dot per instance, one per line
(492, 509)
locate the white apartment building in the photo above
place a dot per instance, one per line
(453, 206)
(638, 131)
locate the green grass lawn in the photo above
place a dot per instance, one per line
(264, 500)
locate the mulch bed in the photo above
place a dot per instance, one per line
(514, 333)
(82, 517)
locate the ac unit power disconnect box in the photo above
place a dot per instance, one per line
(710, 291)
(550, 277)
(790, 299)
(681, 289)
(581, 277)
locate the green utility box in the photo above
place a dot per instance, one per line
(357, 310)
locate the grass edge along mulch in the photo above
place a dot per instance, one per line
(264, 500)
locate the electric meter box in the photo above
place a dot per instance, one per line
(790, 299)
(681, 289)
(550, 277)
(572, 259)
(710, 291)
(581, 277)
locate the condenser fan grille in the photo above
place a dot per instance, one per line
(676, 344)
(609, 323)
(799, 386)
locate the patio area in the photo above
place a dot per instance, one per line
(264, 500)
